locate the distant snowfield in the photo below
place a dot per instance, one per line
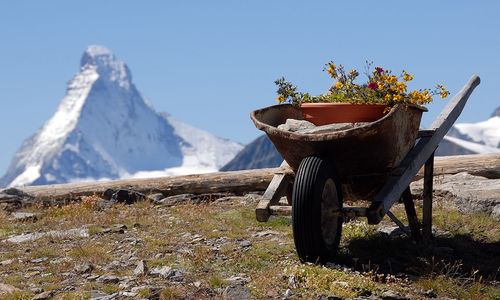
(487, 132)
(474, 147)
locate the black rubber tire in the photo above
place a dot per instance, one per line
(315, 188)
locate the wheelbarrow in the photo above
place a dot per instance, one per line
(375, 162)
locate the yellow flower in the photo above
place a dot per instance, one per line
(387, 97)
(443, 92)
(280, 99)
(401, 87)
(426, 96)
(339, 85)
(392, 79)
(397, 98)
(415, 95)
(332, 70)
(407, 76)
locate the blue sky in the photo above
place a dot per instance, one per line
(210, 63)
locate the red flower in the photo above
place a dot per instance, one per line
(373, 85)
(379, 70)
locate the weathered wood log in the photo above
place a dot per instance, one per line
(234, 182)
(485, 165)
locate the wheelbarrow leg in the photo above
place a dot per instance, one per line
(427, 199)
(412, 215)
(277, 188)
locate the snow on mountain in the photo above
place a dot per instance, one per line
(487, 132)
(466, 138)
(103, 128)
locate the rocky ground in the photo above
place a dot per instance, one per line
(210, 246)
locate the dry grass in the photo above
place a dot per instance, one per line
(204, 241)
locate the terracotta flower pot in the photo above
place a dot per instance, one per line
(328, 113)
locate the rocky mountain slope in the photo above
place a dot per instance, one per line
(260, 153)
(104, 128)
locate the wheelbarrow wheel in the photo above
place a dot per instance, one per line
(316, 193)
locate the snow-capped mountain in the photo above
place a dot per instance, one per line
(473, 138)
(103, 128)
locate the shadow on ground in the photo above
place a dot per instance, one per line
(457, 256)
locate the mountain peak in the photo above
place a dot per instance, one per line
(496, 113)
(107, 65)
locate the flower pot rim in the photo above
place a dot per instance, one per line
(325, 104)
(344, 104)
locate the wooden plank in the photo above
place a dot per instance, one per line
(274, 192)
(411, 213)
(425, 133)
(276, 189)
(415, 159)
(399, 223)
(427, 200)
(348, 211)
(280, 210)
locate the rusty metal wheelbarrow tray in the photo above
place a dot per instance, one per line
(362, 155)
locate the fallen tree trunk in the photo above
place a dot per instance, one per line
(232, 182)
(485, 165)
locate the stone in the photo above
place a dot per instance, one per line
(36, 290)
(495, 213)
(6, 262)
(123, 196)
(391, 295)
(237, 292)
(391, 230)
(93, 277)
(237, 280)
(24, 216)
(12, 198)
(288, 293)
(29, 237)
(156, 197)
(108, 279)
(429, 294)
(39, 260)
(44, 295)
(265, 233)
(296, 125)
(328, 128)
(173, 200)
(141, 269)
(98, 295)
(166, 272)
(469, 193)
(245, 244)
(7, 289)
(322, 297)
(84, 268)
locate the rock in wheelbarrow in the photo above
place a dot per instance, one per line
(302, 126)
